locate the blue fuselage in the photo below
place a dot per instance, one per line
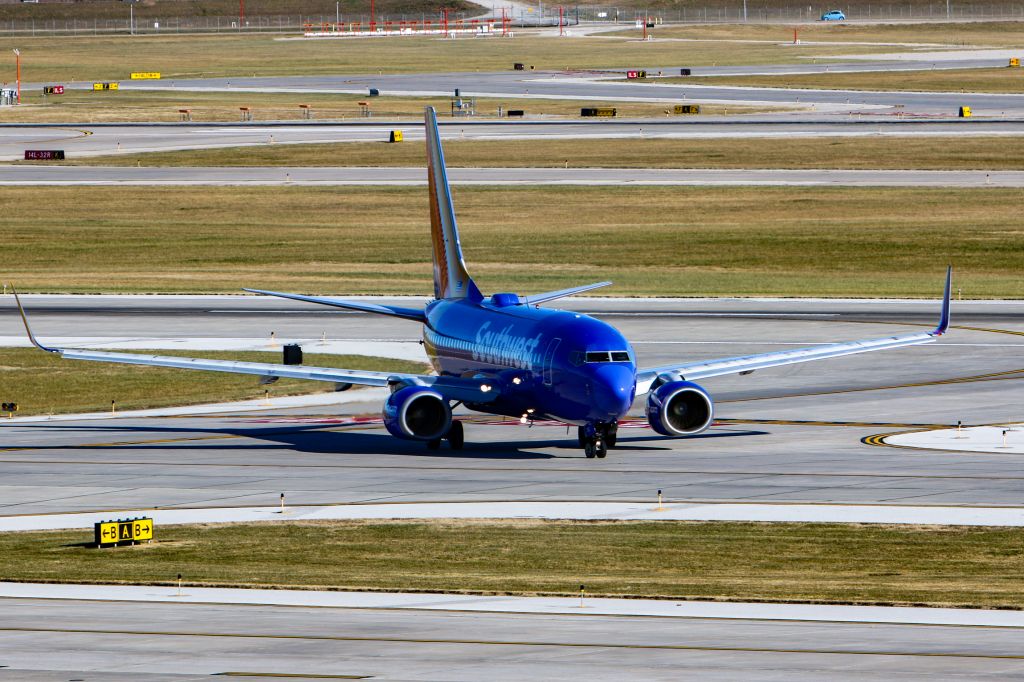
(546, 363)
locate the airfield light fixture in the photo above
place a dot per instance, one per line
(17, 62)
(17, 68)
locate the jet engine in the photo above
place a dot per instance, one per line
(417, 413)
(679, 408)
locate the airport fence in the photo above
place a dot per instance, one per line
(543, 16)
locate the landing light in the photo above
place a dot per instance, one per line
(485, 388)
(522, 420)
(516, 380)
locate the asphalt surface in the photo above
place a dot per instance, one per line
(49, 641)
(603, 88)
(786, 435)
(85, 140)
(277, 175)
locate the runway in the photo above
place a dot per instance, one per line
(613, 177)
(86, 140)
(116, 641)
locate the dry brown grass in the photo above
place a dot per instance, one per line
(676, 241)
(917, 153)
(78, 107)
(64, 60)
(844, 563)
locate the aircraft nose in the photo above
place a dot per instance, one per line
(613, 388)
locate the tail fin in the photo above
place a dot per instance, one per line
(451, 280)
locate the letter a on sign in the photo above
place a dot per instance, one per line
(126, 531)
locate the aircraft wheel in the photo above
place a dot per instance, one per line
(611, 435)
(601, 449)
(434, 444)
(590, 449)
(581, 434)
(456, 436)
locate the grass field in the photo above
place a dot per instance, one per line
(42, 383)
(78, 106)
(916, 153)
(839, 563)
(674, 241)
(63, 60)
(1010, 80)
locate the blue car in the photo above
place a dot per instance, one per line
(834, 15)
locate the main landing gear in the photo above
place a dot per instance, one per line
(456, 438)
(595, 439)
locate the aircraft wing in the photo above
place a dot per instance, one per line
(454, 388)
(746, 364)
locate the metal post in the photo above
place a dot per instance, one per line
(17, 62)
(744, 11)
(337, 11)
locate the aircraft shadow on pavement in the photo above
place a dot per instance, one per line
(328, 439)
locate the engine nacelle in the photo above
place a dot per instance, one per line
(417, 413)
(679, 408)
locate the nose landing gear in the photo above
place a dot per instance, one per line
(595, 439)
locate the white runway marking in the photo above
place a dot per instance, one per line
(532, 605)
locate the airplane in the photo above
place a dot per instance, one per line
(506, 355)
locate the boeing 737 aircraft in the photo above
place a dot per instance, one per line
(504, 354)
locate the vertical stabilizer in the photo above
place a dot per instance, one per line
(450, 277)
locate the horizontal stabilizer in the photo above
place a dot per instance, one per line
(394, 311)
(537, 299)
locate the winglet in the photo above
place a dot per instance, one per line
(28, 329)
(944, 320)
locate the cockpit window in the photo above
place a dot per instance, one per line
(606, 356)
